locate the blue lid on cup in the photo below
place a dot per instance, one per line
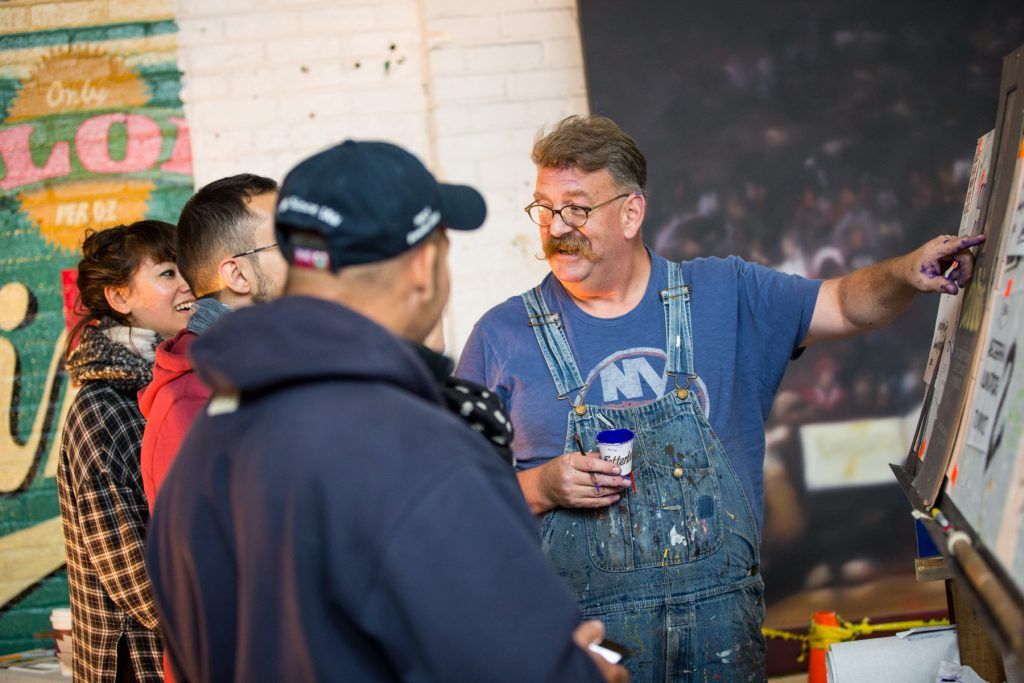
(611, 436)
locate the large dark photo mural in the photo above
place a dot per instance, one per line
(814, 138)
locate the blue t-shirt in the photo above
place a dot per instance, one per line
(747, 320)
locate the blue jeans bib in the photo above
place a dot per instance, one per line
(671, 570)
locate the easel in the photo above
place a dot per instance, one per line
(976, 648)
(984, 601)
(982, 634)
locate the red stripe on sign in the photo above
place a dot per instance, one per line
(920, 451)
(1009, 288)
(953, 475)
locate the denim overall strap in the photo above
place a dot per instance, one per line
(547, 327)
(678, 332)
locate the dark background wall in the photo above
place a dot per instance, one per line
(814, 137)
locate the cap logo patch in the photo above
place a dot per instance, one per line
(318, 259)
(322, 213)
(424, 221)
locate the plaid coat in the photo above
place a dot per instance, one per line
(104, 514)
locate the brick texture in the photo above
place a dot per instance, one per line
(268, 86)
(502, 72)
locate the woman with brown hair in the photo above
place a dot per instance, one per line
(131, 296)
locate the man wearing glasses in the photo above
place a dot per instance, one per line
(227, 253)
(688, 357)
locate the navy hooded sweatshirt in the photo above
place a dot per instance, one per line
(338, 523)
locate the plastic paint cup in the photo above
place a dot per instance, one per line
(616, 446)
(60, 619)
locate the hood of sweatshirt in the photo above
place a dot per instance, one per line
(172, 361)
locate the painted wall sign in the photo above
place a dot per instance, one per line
(92, 134)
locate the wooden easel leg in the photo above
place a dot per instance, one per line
(976, 650)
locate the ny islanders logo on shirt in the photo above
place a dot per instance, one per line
(635, 377)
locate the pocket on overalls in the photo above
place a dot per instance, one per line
(691, 511)
(673, 518)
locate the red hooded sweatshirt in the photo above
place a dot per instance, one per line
(170, 403)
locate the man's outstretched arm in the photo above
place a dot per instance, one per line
(872, 297)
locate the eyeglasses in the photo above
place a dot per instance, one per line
(573, 215)
(255, 251)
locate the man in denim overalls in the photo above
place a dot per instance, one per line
(686, 355)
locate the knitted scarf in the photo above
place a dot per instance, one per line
(115, 354)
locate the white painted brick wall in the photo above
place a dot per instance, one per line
(501, 72)
(466, 86)
(268, 82)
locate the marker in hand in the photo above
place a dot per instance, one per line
(579, 445)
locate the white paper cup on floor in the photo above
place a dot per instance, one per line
(616, 446)
(60, 620)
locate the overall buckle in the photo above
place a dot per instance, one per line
(681, 392)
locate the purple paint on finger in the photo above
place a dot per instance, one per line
(929, 271)
(971, 241)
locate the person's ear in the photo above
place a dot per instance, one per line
(421, 270)
(234, 277)
(633, 211)
(117, 299)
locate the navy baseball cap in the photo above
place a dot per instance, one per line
(363, 202)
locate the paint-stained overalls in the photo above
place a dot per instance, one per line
(671, 570)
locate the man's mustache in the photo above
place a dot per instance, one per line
(570, 243)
